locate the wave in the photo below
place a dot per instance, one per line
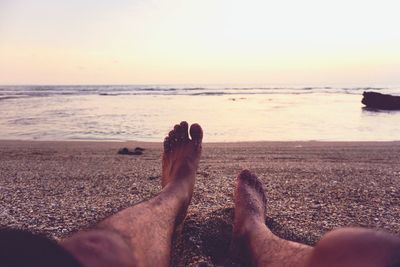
(6, 97)
(9, 92)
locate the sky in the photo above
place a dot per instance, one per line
(307, 42)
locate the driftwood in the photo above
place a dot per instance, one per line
(381, 101)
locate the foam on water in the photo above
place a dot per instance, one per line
(227, 113)
(112, 90)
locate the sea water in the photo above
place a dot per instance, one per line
(226, 113)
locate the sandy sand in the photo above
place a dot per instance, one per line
(58, 188)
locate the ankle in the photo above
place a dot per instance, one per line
(248, 226)
(182, 192)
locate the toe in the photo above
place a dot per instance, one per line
(196, 133)
(179, 132)
(185, 128)
(173, 137)
(177, 128)
(245, 175)
(167, 145)
(251, 179)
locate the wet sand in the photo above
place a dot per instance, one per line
(57, 188)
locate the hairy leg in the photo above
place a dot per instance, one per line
(349, 247)
(251, 235)
(141, 235)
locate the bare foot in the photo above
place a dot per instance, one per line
(250, 206)
(250, 202)
(181, 159)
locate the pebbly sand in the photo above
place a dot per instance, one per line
(57, 188)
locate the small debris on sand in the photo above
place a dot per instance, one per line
(127, 151)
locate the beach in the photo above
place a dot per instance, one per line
(60, 187)
(304, 94)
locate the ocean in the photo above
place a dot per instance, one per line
(226, 113)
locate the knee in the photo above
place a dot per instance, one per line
(99, 248)
(356, 247)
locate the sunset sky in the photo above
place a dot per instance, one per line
(310, 42)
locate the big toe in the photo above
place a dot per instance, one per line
(196, 132)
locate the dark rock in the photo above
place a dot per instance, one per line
(127, 151)
(381, 101)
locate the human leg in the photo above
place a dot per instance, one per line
(350, 247)
(353, 247)
(141, 235)
(250, 234)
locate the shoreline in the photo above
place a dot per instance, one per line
(60, 187)
(210, 143)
